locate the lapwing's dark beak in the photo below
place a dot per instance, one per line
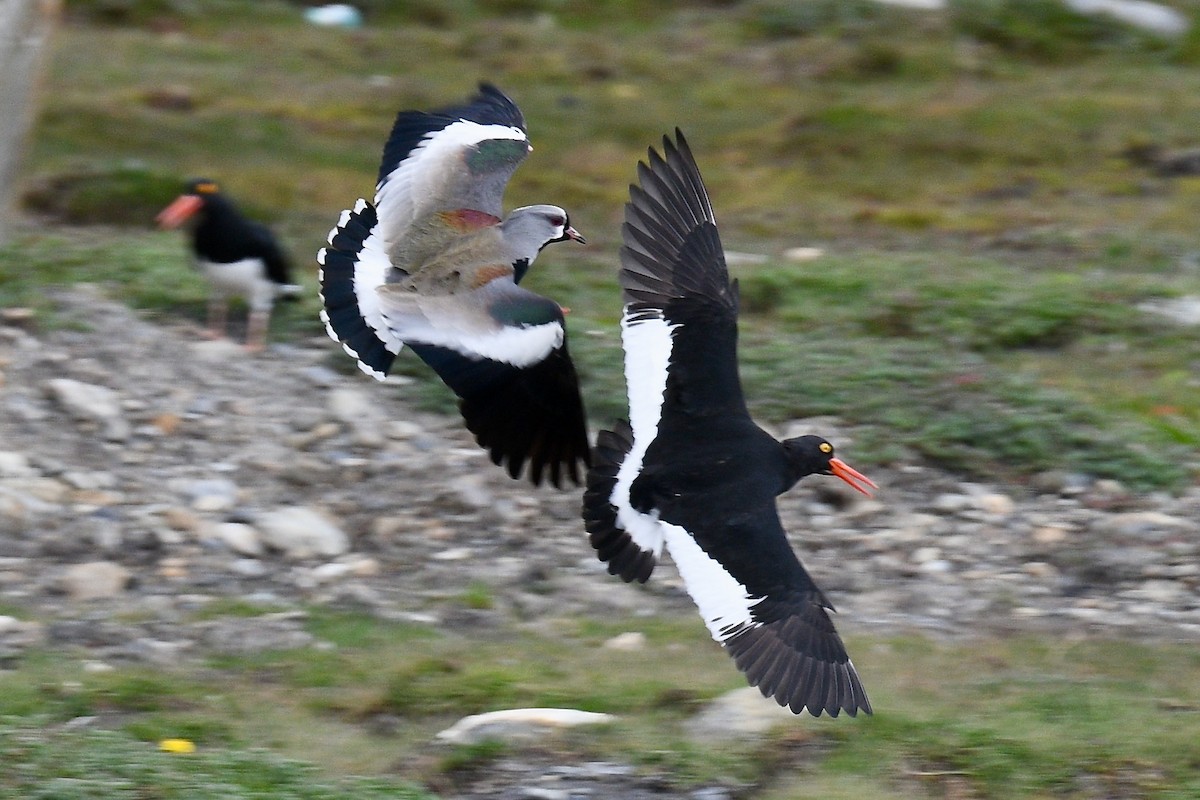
(571, 233)
(856, 479)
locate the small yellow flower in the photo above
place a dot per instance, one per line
(177, 745)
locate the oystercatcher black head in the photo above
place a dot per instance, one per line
(433, 263)
(240, 258)
(692, 472)
(813, 455)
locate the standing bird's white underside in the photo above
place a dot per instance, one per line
(244, 278)
(724, 603)
(424, 169)
(647, 344)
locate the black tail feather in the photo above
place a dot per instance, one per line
(612, 543)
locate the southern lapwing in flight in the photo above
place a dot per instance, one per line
(434, 263)
(692, 472)
(238, 257)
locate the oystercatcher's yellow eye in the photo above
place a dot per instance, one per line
(825, 447)
(206, 188)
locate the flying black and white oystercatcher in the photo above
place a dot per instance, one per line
(239, 257)
(434, 264)
(692, 472)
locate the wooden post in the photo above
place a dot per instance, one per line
(24, 35)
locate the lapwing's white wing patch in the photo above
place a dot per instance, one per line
(370, 272)
(426, 180)
(724, 603)
(447, 322)
(646, 338)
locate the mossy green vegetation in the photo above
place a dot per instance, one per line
(995, 718)
(41, 762)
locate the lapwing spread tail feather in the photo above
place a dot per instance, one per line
(353, 266)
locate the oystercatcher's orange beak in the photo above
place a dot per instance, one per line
(856, 479)
(180, 209)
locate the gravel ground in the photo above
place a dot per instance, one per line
(145, 470)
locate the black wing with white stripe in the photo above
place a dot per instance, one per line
(776, 624)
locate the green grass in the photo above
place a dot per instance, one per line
(1005, 718)
(40, 763)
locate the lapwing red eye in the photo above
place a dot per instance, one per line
(557, 222)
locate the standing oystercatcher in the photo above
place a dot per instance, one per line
(433, 264)
(692, 472)
(239, 257)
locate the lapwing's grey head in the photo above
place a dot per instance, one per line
(539, 226)
(813, 455)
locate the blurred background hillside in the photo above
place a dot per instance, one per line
(953, 221)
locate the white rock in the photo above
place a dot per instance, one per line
(401, 429)
(351, 405)
(216, 351)
(94, 580)
(213, 494)
(1000, 505)
(1109, 486)
(90, 403)
(1153, 17)
(937, 566)
(629, 641)
(519, 724)
(803, 253)
(1050, 534)
(949, 503)
(15, 465)
(742, 713)
(20, 633)
(330, 572)
(471, 491)
(923, 555)
(1159, 591)
(453, 554)
(922, 5)
(363, 566)
(1180, 310)
(240, 538)
(301, 532)
(84, 400)
(337, 15)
